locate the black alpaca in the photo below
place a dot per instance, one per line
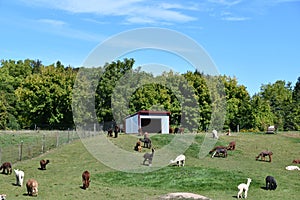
(148, 157)
(147, 142)
(271, 183)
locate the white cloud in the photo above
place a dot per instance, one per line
(52, 22)
(147, 11)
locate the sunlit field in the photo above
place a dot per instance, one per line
(216, 178)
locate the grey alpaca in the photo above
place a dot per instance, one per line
(148, 157)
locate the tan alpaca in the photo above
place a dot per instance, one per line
(243, 187)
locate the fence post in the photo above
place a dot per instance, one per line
(43, 144)
(20, 150)
(68, 135)
(57, 139)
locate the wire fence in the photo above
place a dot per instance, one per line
(22, 145)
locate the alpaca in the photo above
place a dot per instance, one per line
(215, 134)
(231, 146)
(217, 147)
(6, 167)
(110, 132)
(296, 161)
(243, 188)
(179, 160)
(148, 157)
(43, 164)
(147, 142)
(138, 146)
(2, 196)
(271, 183)
(291, 167)
(19, 177)
(263, 154)
(219, 151)
(85, 179)
(32, 187)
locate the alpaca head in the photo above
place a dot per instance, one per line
(249, 180)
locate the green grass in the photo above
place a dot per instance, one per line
(215, 178)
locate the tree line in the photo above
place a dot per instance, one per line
(34, 95)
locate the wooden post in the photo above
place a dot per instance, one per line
(20, 150)
(43, 144)
(57, 139)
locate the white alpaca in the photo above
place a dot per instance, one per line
(292, 167)
(179, 160)
(19, 177)
(215, 134)
(2, 196)
(244, 187)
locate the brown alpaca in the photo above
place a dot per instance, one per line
(263, 155)
(296, 161)
(138, 146)
(217, 147)
(6, 167)
(231, 146)
(32, 187)
(43, 164)
(85, 179)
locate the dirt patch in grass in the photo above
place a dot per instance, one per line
(292, 135)
(183, 195)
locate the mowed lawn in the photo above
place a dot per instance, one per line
(216, 178)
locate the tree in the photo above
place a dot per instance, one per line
(279, 96)
(46, 98)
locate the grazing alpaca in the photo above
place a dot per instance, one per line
(292, 167)
(32, 187)
(231, 146)
(2, 196)
(271, 183)
(296, 161)
(6, 167)
(85, 179)
(220, 151)
(110, 132)
(43, 164)
(148, 157)
(138, 146)
(263, 154)
(19, 177)
(179, 160)
(217, 147)
(243, 188)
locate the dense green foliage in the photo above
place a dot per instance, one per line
(33, 95)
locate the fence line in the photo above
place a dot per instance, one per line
(22, 145)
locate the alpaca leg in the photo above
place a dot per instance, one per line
(246, 191)
(239, 194)
(213, 154)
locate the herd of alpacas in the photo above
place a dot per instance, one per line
(32, 184)
(218, 151)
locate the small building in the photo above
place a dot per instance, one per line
(148, 121)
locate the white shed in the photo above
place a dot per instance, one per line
(148, 121)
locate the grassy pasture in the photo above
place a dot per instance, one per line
(215, 178)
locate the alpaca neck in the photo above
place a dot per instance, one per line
(248, 183)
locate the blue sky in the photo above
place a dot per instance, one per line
(257, 41)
